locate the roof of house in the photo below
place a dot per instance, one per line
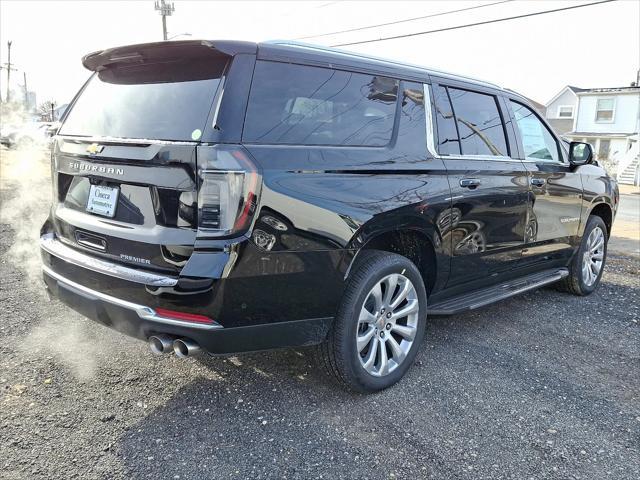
(574, 90)
(609, 90)
(593, 91)
(599, 134)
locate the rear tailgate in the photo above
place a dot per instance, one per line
(125, 167)
(153, 220)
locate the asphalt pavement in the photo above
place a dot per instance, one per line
(542, 386)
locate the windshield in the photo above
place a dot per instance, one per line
(161, 101)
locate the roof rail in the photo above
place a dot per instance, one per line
(320, 48)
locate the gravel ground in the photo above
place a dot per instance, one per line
(545, 385)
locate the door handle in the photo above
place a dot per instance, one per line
(469, 183)
(538, 182)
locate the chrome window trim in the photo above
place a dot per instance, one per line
(431, 138)
(145, 313)
(49, 244)
(550, 162)
(431, 143)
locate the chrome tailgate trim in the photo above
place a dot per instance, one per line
(49, 244)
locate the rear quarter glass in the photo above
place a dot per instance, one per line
(303, 105)
(168, 101)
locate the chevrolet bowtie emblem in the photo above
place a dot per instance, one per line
(95, 148)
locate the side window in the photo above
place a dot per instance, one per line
(412, 134)
(303, 105)
(448, 142)
(537, 140)
(479, 123)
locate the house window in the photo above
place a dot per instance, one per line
(565, 111)
(604, 109)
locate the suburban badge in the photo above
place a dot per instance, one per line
(87, 167)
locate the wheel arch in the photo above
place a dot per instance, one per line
(412, 243)
(604, 211)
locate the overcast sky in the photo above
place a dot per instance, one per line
(597, 46)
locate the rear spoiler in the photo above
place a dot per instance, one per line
(163, 51)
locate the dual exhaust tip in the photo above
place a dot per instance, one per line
(182, 347)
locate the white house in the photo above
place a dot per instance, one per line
(560, 111)
(606, 118)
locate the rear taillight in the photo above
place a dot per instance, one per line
(228, 192)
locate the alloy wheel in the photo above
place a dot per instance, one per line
(387, 324)
(593, 256)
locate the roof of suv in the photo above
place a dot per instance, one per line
(284, 50)
(298, 48)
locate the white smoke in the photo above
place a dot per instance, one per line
(25, 178)
(25, 181)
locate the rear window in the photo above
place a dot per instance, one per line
(302, 105)
(161, 101)
(479, 123)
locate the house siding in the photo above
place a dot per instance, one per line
(561, 125)
(626, 114)
(567, 98)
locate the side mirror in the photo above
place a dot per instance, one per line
(580, 153)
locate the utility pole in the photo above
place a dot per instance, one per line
(9, 69)
(165, 10)
(26, 92)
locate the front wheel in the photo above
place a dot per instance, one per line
(585, 270)
(380, 323)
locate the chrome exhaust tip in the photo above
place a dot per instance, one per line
(183, 347)
(160, 344)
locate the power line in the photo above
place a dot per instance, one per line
(470, 24)
(402, 21)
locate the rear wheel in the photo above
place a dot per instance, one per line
(380, 323)
(588, 263)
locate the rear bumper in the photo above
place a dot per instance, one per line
(132, 317)
(141, 322)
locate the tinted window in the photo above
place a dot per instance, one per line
(448, 143)
(412, 133)
(296, 104)
(169, 101)
(479, 123)
(537, 141)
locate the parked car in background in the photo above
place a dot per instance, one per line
(233, 197)
(31, 133)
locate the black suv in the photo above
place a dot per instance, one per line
(229, 197)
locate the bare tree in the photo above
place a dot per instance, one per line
(46, 110)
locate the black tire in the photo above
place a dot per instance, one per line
(575, 282)
(338, 355)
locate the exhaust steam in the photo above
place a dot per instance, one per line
(25, 185)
